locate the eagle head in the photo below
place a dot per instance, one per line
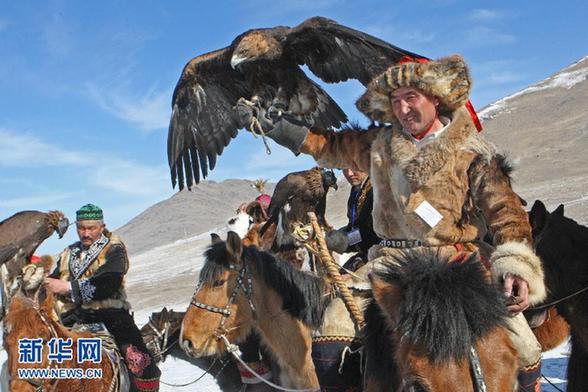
(256, 45)
(329, 179)
(57, 221)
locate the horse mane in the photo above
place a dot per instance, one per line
(22, 316)
(18, 316)
(446, 306)
(303, 295)
(378, 342)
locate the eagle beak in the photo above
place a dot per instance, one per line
(62, 226)
(236, 60)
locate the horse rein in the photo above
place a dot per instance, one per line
(244, 282)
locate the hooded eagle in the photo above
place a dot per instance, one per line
(23, 232)
(262, 67)
(299, 193)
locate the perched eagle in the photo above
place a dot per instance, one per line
(262, 67)
(299, 193)
(23, 232)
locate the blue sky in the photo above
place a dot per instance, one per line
(86, 86)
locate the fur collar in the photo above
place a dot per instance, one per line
(419, 166)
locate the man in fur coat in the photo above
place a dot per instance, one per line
(89, 285)
(437, 183)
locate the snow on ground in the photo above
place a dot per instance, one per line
(175, 288)
(178, 371)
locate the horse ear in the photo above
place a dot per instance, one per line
(538, 216)
(559, 210)
(234, 246)
(386, 295)
(43, 297)
(215, 238)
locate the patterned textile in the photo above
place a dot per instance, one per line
(136, 360)
(89, 212)
(87, 290)
(77, 265)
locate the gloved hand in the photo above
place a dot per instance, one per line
(246, 113)
(337, 240)
(282, 129)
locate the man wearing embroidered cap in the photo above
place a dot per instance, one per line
(88, 281)
(437, 183)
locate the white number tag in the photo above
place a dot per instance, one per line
(428, 213)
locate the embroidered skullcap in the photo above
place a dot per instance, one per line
(448, 79)
(89, 212)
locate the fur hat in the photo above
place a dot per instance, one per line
(447, 79)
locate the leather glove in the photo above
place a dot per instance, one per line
(246, 114)
(337, 240)
(283, 129)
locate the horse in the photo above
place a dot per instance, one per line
(35, 318)
(562, 245)
(242, 289)
(250, 225)
(161, 336)
(436, 325)
(162, 331)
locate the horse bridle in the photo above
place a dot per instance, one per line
(159, 340)
(245, 282)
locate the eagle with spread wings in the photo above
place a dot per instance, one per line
(261, 67)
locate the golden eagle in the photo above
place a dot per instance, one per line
(299, 193)
(23, 232)
(262, 67)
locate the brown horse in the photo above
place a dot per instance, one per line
(161, 335)
(29, 318)
(243, 289)
(437, 326)
(562, 245)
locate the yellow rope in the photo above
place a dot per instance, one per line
(333, 272)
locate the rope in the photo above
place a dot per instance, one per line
(559, 300)
(234, 350)
(255, 125)
(197, 379)
(333, 272)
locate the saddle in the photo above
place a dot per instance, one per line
(99, 330)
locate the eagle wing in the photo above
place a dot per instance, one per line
(336, 53)
(20, 235)
(203, 121)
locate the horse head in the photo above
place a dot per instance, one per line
(561, 244)
(162, 331)
(221, 305)
(427, 316)
(234, 282)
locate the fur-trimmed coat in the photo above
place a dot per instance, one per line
(459, 174)
(98, 283)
